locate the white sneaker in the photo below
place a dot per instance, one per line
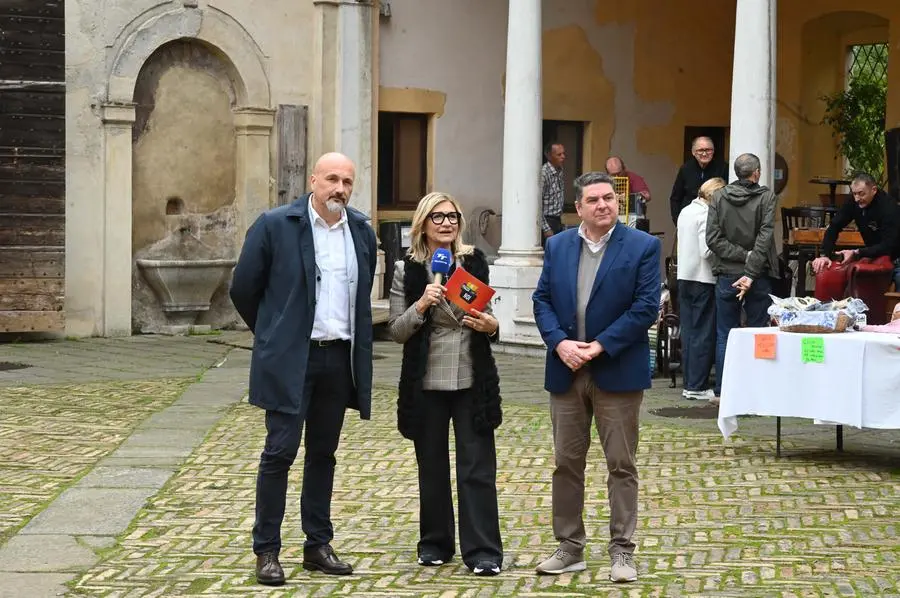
(697, 395)
(623, 569)
(562, 562)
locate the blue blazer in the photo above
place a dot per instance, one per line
(274, 290)
(623, 305)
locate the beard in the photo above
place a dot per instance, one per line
(334, 205)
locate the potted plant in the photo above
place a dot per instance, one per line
(857, 119)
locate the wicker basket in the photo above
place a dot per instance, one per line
(841, 325)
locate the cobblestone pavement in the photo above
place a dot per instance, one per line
(131, 358)
(714, 521)
(52, 435)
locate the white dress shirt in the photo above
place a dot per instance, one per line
(334, 267)
(595, 246)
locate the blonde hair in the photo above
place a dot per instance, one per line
(418, 246)
(709, 187)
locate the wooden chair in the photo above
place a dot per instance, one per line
(792, 218)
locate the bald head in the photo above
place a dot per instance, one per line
(333, 160)
(615, 166)
(332, 184)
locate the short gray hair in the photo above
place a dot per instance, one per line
(697, 140)
(866, 178)
(745, 165)
(591, 178)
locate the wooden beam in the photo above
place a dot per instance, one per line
(43, 102)
(20, 204)
(33, 230)
(33, 170)
(17, 262)
(290, 124)
(32, 294)
(32, 321)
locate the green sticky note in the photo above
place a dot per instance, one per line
(812, 349)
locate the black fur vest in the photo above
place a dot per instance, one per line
(486, 381)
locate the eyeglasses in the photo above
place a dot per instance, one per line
(704, 150)
(438, 217)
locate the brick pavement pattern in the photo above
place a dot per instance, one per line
(715, 520)
(51, 435)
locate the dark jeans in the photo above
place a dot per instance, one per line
(556, 225)
(328, 389)
(697, 314)
(728, 314)
(476, 482)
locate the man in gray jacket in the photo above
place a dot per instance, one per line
(740, 232)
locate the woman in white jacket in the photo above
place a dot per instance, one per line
(697, 295)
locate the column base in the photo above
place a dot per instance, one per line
(513, 306)
(378, 283)
(521, 257)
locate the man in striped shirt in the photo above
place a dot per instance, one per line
(553, 190)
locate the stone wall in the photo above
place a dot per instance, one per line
(154, 121)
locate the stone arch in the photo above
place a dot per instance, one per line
(212, 27)
(823, 40)
(243, 64)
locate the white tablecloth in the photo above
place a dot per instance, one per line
(857, 385)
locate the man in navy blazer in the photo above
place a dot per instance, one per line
(303, 285)
(597, 296)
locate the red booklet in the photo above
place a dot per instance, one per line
(467, 292)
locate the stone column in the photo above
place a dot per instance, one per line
(753, 85)
(118, 120)
(253, 130)
(516, 272)
(343, 112)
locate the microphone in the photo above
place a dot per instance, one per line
(440, 264)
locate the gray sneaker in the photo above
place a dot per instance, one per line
(561, 562)
(623, 569)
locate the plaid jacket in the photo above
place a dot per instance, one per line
(449, 355)
(432, 357)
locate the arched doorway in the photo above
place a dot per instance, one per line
(826, 63)
(184, 172)
(239, 61)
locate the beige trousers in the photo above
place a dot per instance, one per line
(616, 416)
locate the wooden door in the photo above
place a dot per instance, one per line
(32, 165)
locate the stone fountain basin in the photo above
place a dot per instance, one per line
(185, 285)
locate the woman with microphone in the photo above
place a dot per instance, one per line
(448, 373)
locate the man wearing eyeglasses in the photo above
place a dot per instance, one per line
(693, 173)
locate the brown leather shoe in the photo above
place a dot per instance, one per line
(268, 569)
(322, 558)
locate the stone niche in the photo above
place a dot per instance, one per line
(184, 174)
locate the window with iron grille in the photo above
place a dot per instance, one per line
(869, 61)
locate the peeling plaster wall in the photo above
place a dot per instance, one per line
(640, 71)
(812, 55)
(634, 88)
(184, 145)
(425, 45)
